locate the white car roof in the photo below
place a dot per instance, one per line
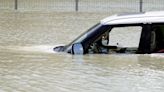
(146, 17)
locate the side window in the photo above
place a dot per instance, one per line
(159, 40)
(125, 36)
(160, 32)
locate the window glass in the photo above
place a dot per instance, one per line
(162, 30)
(125, 36)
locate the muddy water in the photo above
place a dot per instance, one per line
(28, 64)
(115, 6)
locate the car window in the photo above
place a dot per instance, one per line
(159, 40)
(125, 36)
(161, 31)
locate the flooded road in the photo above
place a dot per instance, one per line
(28, 64)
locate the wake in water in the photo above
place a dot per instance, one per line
(40, 48)
(36, 48)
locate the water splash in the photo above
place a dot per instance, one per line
(35, 48)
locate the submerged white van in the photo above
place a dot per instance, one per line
(139, 33)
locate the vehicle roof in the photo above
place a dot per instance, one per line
(135, 18)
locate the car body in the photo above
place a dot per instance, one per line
(144, 31)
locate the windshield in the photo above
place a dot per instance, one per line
(84, 35)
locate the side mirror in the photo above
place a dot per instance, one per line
(77, 49)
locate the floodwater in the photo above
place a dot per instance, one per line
(28, 64)
(115, 6)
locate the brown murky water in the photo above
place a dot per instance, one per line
(28, 64)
